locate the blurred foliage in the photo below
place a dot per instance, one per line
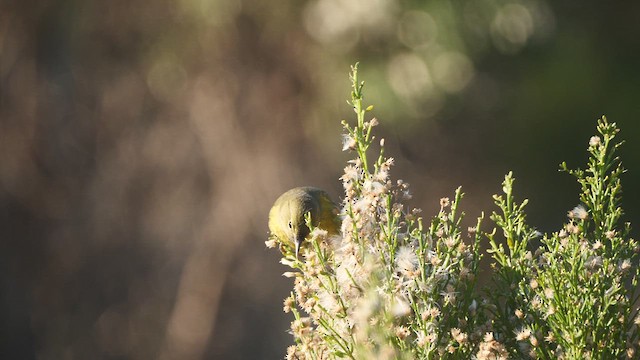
(142, 143)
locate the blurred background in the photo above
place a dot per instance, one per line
(142, 144)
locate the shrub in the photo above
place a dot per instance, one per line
(393, 286)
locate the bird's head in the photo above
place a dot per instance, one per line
(294, 219)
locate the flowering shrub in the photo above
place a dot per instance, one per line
(393, 286)
(573, 297)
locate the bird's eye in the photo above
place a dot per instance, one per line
(290, 225)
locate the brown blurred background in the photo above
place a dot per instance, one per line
(143, 142)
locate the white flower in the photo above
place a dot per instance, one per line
(548, 293)
(593, 262)
(373, 187)
(523, 334)
(449, 296)
(328, 301)
(578, 212)
(351, 173)
(365, 308)
(458, 335)
(450, 241)
(362, 205)
(319, 233)
(348, 142)
(625, 265)
(422, 339)
(400, 308)
(406, 260)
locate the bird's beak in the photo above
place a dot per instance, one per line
(297, 243)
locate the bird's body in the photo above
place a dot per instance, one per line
(287, 216)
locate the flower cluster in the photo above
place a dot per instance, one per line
(389, 286)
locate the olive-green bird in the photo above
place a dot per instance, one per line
(286, 218)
